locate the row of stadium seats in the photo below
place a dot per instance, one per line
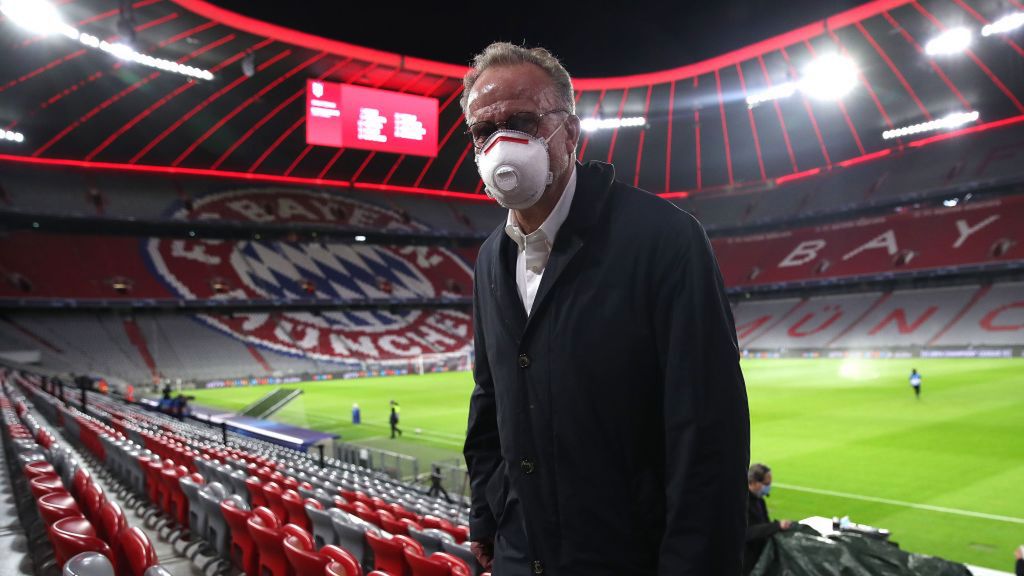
(213, 346)
(959, 316)
(89, 533)
(924, 240)
(991, 158)
(266, 509)
(38, 265)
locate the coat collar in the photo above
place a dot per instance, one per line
(594, 181)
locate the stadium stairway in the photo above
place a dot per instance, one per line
(254, 506)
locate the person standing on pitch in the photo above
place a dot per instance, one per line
(915, 382)
(608, 429)
(393, 419)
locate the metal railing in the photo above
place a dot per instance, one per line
(395, 465)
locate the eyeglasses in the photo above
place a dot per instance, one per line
(525, 122)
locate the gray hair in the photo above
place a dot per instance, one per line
(757, 472)
(506, 54)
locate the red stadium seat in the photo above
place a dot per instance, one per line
(153, 469)
(456, 565)
(74, 535)
(80, 481)
(460, 533)
(171, 496)
(295, 506)
(243, 549)
(41, 485)
(111, 521)
(394, 526)
(422, 566)
(341, 562)
(57, 505)
(388, 553)
(255, 486)
(92, 501)
(134, 552)
(39, 468)
(267, 533)
(272, 494)
(301, 553)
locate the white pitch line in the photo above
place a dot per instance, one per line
(928, 507)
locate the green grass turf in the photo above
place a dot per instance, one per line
(849, 427)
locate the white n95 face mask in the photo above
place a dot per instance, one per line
(515, 167)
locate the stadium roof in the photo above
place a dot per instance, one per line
(747, 117)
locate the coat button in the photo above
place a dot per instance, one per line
(524, 361)
(538, 568)
(527, 466)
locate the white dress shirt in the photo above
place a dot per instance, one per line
(535, 247)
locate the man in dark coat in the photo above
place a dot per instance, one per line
(759, 526)
(608, 429)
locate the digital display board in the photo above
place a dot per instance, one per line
(347, 116)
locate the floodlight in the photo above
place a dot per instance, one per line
(952, 41)
(1007, 23)
(954, 120)
(37, 16)
(829, 77)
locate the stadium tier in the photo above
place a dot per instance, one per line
(976, 235)
(963, 316)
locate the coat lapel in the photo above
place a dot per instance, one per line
(503, 286)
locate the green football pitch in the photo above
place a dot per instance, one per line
(843, 437)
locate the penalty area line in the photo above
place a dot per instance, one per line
(928, 507)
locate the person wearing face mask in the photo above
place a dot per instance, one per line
(608, 429)
(759, 527)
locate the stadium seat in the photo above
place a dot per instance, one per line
(272, 494)
(301, 553)
(190, 487)
(57, 505)
(295, 508)
(430, 538)
(323, 529)
(210, 522)
(80, 481)
(243, 549)
(111, 521)
(72, 536)
(420, 565)
(41, 485)
(134, 553)
(340, 562)
(93, 501)
(236, 481)
(173, 500)
(463, 552)
(267, 532)
(388, 553)
(254, 486)
(352, 537)
(88, 564)
(39, 468)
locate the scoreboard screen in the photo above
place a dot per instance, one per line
(347, 116)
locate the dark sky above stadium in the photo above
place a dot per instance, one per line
(592, 38)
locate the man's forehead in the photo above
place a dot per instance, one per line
(509, 86)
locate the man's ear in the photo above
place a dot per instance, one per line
(572, 134)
